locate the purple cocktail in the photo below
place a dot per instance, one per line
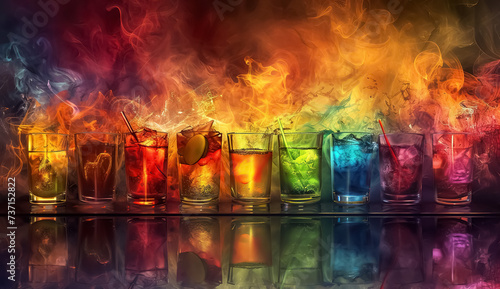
(401, 167)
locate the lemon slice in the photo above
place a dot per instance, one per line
(196, 148)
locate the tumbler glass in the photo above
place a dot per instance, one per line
(400, 166)
(351, 160)
(452, 164)
(250, 158)
(97, 155)
(300, 167)
(199, 164)
(47, 167)
(146, 167)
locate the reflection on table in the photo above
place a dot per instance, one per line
(257, 251)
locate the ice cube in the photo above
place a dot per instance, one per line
(150, 137)
(213, 137)
(190, 131)
(444, 141)
(409, 156)
(349, 156)
(349, 139)
(146, 133)
(306, 157)
(214, 142)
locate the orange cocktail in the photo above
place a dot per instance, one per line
(250, 156)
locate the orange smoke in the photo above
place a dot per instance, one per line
(333, 65)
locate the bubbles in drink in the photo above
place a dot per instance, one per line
(146, 166)
(300, 170)
(452, 164)
(48, 173)
(401, 179)
(199, 155)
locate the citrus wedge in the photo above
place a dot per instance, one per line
(196, 148)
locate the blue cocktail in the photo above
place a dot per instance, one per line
(351, 157)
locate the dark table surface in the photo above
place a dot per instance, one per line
(226, 245)
(238, 250)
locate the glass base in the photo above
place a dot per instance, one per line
(59, 199)
(412, 199)
(465, 200)
(249, 202)
(146, 201)
(94, 200)
(190, 201)
(299, 200)
(350, 199)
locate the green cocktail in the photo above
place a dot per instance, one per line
(300, 167)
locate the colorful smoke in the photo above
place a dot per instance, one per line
(419, 66)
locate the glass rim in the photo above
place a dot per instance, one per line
(457, 133)
(300, 132)
(365, 132)
(198, 131)
(102, 133)
(399, 133)
(249, 133)
(47, 133)
(127, 132)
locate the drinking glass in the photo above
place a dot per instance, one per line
(400, 166)
(47, 167)
(351, 160)
(96, 154)
(250, 158)
(452, 164)
(199, 164)
(300, 167)
(146, 167)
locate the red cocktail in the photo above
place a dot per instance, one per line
(146, 167)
